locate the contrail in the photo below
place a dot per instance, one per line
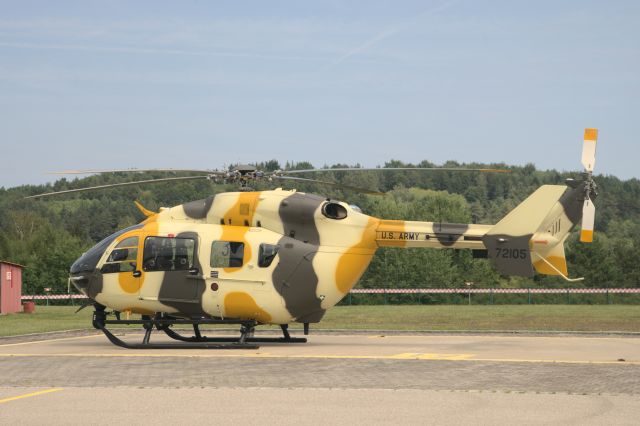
(383, 35)
(74, 47)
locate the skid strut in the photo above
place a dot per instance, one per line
(246, 340)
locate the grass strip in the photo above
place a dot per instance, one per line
(600, 318)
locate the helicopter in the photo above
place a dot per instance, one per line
(281, 256)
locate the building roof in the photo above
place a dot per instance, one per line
(12, 263)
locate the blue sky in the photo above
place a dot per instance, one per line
(202, 84)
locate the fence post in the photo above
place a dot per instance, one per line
(349, 298)
(567, 296)
(608, 300)
(384, 291)
(491, 296)
(528, 295)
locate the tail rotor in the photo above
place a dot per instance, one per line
(590, 193)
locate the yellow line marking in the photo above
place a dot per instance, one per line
(556, 361)
(398, 357)
(448, 357)
(28, 395)
(50, 340)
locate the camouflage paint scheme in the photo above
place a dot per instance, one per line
(320, 258)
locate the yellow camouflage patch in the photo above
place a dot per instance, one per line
(353, 262)
(241, 305)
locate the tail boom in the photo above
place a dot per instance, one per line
(531, 237)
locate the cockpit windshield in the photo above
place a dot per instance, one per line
(88, 261)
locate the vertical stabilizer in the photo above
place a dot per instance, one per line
(511, 241)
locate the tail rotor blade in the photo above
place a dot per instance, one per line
(589, 149)
(588, 220)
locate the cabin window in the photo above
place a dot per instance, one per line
(123, 257)
(266, 254)
(227, 254)
(168, 254)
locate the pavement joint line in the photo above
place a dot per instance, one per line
(347, 388)
(493, 336)
(127, 332)
(49, 340)
(28, 395)
(44, 333)
(594, 334)
(395, 357)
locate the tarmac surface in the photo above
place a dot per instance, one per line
(377, 379)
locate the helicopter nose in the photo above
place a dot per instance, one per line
(88, 282)
(81, 282)
(84, 274)
(87, 262)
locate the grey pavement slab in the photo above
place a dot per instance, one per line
(311, 406)
(333, 379)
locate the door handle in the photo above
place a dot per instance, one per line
(137, 274)
(194, 271)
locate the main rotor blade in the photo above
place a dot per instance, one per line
(94, 171)
(589, 149)
(588, 220)
(385, 169)
(337, 185)
(114, 185)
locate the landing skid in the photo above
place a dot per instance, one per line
(199, 338)
(246, 340)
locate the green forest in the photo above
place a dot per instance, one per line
(47, 235)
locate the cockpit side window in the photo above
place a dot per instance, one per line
(227, 254)
(168, 254)
(123, 257)
(266, 254)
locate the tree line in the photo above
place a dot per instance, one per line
(48, 235)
